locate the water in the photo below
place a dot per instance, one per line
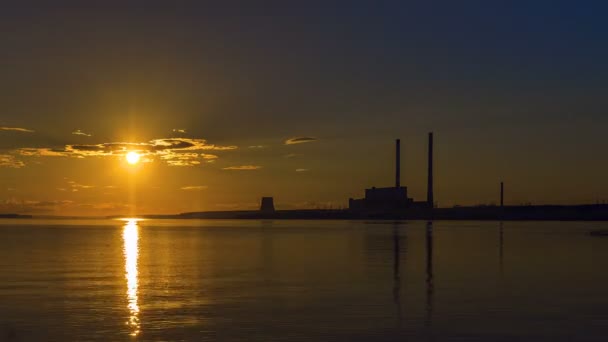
(302, 281)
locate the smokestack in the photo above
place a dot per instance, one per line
(502, 194)
(429, 195)
(397, 163)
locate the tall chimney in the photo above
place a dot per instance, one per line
(429, 195)
(397, 163)
(502, 194)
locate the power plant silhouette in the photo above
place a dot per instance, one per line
(394, 199)
(393, 203)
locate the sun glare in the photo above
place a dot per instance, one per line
(133, 157)
(130, 236)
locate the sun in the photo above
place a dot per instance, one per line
(133, 157)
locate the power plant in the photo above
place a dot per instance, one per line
(394, 199)
(393, 203)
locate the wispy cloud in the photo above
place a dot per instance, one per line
(75, 187)
(178, 130)
(181, 159)
(41, 152)
(290, 155)
(194, 187)
(257, 146)
(16, 129)
(7, 160)
(299, 140)
(180, 162)
(302, 170)
(187, 159)
(243, 167)
(79, 132)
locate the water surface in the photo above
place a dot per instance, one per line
(302, 280)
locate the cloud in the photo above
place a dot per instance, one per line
(302, 170)
(177, 130)
(6, 160)
(183, 162)
(194, 187)
(41, 152)
(13, 205)
(16, 129)
(257, 146)
(243, 167)
(291, 155)
(75, 187)
(181, 159)
(79, 132)
(299, 140)
(174, 151)
(187, 158)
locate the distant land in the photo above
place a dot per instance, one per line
(587, 212)
(14, 216)
(590, 212)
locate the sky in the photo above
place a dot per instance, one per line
(234, 100)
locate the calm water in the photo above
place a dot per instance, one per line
(302, 280)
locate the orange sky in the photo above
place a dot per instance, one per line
(227, 104)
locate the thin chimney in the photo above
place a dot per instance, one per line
(502, 194)
(397, 163)
(430, 200)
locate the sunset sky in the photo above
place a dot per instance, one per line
(227, 103)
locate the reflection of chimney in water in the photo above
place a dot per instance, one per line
(397, 163)
(429, 272)
(501, 242)
(396, 275)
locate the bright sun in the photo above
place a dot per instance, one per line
(132, 157)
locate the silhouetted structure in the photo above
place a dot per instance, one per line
(398, 163)
(502, 194)
(394, 203)
(384, 200)
(429, 191)
(267, 205)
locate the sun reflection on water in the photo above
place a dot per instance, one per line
(130, 236)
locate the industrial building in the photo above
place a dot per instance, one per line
(267, 205)
(394, 199)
